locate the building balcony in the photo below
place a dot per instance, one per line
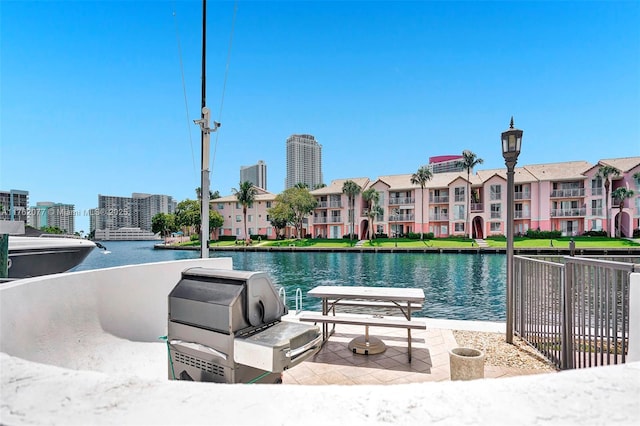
(495, 215)
(567, 193)
(477, 207)
(521, 215)
(401, 218)
(439, 217)
(322, 204)
(444, 199)
(596, 192)
(319, 220)
(335, 219)
(522, 195)
(568, 212)
(597, 212)
(394, 201)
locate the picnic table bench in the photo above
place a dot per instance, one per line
(404, 299)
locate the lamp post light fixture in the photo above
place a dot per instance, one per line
(511, 142)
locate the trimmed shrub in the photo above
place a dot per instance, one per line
(543, 235)
(595, 234)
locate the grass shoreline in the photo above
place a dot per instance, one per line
(590, 245)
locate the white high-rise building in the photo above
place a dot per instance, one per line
(304, 161)
(131, 212)
(256, 174)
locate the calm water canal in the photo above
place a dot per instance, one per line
(456, 286)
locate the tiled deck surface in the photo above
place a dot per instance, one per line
(335, 364)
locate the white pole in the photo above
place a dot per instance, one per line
(204, 214)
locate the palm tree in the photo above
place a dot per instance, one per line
(621, 194)
(245, 196)
(468, 162)
(351, 189)
(421, 177)
(372, 197)
(606, 173)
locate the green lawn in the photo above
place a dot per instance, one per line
(519, 242)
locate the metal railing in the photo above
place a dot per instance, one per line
(567, 193)
(477, 207)
(401, 200)
(439, 199)
(569, 212)
(401, 217)
(574, 310)
(441, 216)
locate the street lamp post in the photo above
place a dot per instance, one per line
(511, 141)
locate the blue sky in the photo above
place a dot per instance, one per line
(92, 98)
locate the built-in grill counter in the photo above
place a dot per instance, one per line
(225, 326)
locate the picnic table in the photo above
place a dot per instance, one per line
(371, 298)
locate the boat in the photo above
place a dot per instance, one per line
(44, 255)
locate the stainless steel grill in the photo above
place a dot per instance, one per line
(225, 326)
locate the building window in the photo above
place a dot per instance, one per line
(238, 206)
(496, 192)
(459, 227)
(494, 226)
(238, 218)
(459, 194)
(596, 186)
(458, 212)
(268, 204)
(249, 218)
(495, 210)
(220, 206)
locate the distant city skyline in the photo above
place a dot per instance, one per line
(103, 102)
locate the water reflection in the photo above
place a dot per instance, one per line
(456, 286)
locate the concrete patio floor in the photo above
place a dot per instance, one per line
(336, 364)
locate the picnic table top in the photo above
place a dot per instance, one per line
(398, 294)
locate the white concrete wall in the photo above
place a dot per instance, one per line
(61, 318)
(75, 320)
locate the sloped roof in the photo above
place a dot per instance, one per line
(623, 164)
(261, 195)
(520, 175)
(396, 182)
(569, 170)
(335, 187)
(443, 180)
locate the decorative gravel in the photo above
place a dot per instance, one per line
(499, 353)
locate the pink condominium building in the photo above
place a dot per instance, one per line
(569, 197)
